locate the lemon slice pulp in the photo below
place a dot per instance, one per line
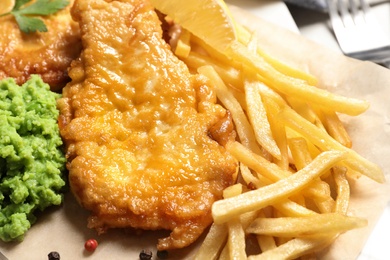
(210, 20)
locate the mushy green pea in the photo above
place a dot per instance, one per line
(32, 164)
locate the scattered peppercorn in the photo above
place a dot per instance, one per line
(90, 245)
(145, 255)
(162, 254)
(53, 256)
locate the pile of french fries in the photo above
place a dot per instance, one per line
(296, 162)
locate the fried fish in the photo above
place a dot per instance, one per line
(144, 137)
(47, 54)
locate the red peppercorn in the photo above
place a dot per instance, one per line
(90, 245)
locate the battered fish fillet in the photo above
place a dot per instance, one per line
(47, 54)
(139, 128)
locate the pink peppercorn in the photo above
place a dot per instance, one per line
(90, 245)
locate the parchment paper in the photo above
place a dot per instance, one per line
(63, 228)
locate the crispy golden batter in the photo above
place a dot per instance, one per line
(47, 54)
(138, 127)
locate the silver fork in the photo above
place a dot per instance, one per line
(358, 32)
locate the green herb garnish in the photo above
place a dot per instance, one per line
(23, 13)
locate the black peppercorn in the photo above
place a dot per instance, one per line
(162, 254)
(53, 256)
(145, 255)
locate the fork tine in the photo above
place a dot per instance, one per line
(364, 6)
(359, 9)
(354, 7)
(333, 12)
(331, 7)
(342, 6)
(337, 12)
(366, 9)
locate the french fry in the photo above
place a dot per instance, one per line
(299, 199)
(305, 110)
(288, 70)
(183, 47)
(230, 75)
(326, 142)
(256, 162)
(226, 209)
(258, 118)
(292, 209)
(245, 37)
(295, 87)
(247, 218)
(248, 177)
(294, 248)
(273, 96)
(314, 226)
(265, 242)
(232, 191)
(236, 235)
(225, 254)
(273, 106)
(236, 239)
(278, 130)
(243, 128)
(287, 207)
(300, 152)
(314, 151)
(319, 190)
(240, 96)
(326, 206)
(335, 127)
(213, 243)
(343, 190)
(280, 240)
(251, 45)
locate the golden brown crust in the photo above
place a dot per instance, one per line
(47, 54)
(136, 123)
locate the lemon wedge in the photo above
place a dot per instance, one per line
(210, 20)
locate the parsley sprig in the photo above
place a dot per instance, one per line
(23, 13)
